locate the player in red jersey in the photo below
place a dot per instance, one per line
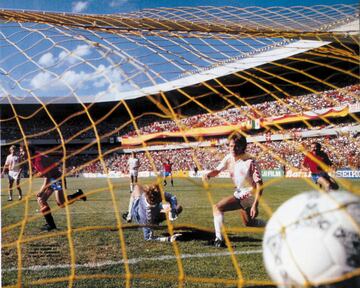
(317, 162)
(45, 167)
(168, 172)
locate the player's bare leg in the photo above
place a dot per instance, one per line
(226, 204)
(11, 182)
(325, 184)
(42, 198)
(19, 188)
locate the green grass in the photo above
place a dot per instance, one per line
(95, 239)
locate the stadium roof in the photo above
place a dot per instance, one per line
(73, 58)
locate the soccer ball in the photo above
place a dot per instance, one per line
(313, 239)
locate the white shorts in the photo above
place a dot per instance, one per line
(245, 196)
(134, 173)
(14, 175)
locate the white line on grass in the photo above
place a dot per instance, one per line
(131, 261)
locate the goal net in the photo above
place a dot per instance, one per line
(170, 84)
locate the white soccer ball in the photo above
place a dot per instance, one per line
(314, 238)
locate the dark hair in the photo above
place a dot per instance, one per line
(31, 149)
(317, 146)
(240, 143)
(153, 194)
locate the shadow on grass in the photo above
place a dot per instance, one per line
(194, 234)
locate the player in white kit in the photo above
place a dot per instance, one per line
(247, 179)
(134, 165)
(13, 168)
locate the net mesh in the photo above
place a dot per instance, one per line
(179, 81)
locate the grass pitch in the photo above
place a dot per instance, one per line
(93, 247)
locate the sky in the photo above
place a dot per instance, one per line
(41, 60)
(121, 6)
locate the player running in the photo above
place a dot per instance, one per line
(134, 165)
(315, 161)
(48, 168)
(148, 209)
(13, 168)
(247, 179)
(168, 172)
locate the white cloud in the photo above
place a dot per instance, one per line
(47, 60)
(117, 3)
(68, 80)
(105, 80)
(82, 50)
(73, 79)
(79, 6)
(79, 52)
(41, 80)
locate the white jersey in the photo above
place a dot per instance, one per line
(244, 173)
(134, 165)
(13, 162)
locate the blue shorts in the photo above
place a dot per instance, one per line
(315, 177)
(166, 174)
(55, 184)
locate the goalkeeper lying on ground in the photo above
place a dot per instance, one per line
(148, 209)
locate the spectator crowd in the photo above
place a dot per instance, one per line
(151, 124)
(344, 151)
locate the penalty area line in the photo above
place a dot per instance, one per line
(131, 261)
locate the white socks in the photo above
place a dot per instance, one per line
(218, 223)
(128, 218)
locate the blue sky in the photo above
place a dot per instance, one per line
(118, 6)
(41, 60)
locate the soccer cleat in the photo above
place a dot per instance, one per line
(10, 199)
(20, 197)
(47, 228)
(80, 194)
(125, 217)
(175, 237)
(172, 216)
(257, 223)
(219, 243)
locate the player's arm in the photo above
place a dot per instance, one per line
(148, 233)
(6, 167)
(212, 173)
(328, 163)
(222, 166)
